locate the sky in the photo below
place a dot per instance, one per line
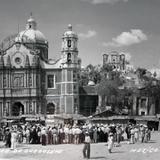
(129, 26)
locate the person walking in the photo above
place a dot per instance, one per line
(50, 136)
(132, 135)
(146, 135)
(55, 135)
(27, 135)
(142, 133)
(13, 139)
(118, 134)
(136, 134)
(86, 148)
(95, 136)
(8, 138)
(110, 142)
(43, 137)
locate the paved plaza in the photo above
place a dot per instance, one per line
(145, 151)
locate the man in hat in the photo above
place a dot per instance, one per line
(86, 148)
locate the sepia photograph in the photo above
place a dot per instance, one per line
(79, 79)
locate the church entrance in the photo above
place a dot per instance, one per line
(50, 108)
(17, 109)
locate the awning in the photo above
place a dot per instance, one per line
(13, 118)
(50, 121)
(111, 118)
(10, 121)
(137, 118)
(146, 118)
(7, 121)
(31, 119)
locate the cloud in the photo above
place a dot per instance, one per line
(89, 34)
(127, 38)
(104, 1)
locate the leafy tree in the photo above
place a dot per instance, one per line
(141, 72)
(106, 70)
(90, 73)
(125, 98)
(108, 87)
(83, 81)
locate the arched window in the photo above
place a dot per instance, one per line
(50, 108)
(69, 57)
(17, 107)
(51, 81)
(69, 43)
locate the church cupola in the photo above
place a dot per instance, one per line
(70, 27)
(69, 46)
(33, 39)
(31, 34)
(31, 23)
(70, 39)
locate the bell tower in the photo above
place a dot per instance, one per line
(70, 65)
(69, 48)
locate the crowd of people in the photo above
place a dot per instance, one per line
(74, 134)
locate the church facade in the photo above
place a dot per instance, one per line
(33, 84)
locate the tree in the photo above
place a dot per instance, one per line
(83, 79)
(106, 70)
(141, 72)
(90, 73)
(125, 98)
(108, 88)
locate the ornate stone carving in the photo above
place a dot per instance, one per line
(4, 81)
(18, 59)
(18, 80)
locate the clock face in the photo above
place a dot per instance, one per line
(18, 60)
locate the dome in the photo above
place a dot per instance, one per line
(91, 83)
(31, 34)
(69, 32)
(31, 19)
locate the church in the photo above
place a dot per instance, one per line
(33, 84)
